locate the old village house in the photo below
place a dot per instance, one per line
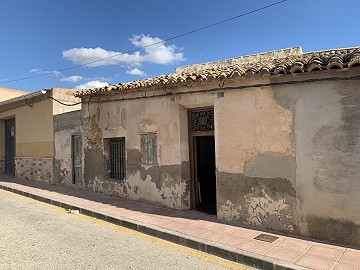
(269, 140)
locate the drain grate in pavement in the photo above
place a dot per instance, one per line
(266, 237)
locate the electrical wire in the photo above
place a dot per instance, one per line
(162, 41)
(64, 104)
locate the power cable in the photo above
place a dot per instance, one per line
(162, 41)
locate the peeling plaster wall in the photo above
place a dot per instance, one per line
(293, 161)
(165, 183)
(65, 126)
(287, 157)
(255, 160)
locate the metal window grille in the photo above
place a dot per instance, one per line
(117, 158)
(149, 148)
(202, 120)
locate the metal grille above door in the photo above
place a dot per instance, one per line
(202, 120)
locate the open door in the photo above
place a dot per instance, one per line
(202, 153)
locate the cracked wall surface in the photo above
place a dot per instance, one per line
(287, 157)
(255, 160)
(165, 183)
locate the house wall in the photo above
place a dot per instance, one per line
(327, 145)
(292, 163)
(7, 93)
(287, 156)
(165, 183)
(255, 160)
(66, 96)
(2, 146)
(34, 140)
(65, 126)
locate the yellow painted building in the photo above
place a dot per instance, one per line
(7, 93)
(27, 132)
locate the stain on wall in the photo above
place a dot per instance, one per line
(334, 230)
(268, 165)
(337, 148)
(262, 202)
(327, 132)
(255, 159)
(288, 161)
(165, 183)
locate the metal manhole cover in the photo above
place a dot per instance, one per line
(266, 238)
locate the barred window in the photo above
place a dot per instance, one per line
(148, 148)
(117, 158)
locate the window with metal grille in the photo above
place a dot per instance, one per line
(117, 158)
(148, 148)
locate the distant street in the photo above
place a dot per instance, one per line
(37, 236)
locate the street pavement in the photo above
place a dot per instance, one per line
(36, 235)
(194, 229)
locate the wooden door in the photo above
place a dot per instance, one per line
(77, 159)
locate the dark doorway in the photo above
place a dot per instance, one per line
(76, 159)
(205, 173)
(10, 147)
(202, 160)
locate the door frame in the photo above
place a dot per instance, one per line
(12, 163)
(194, 187)
(73, 176)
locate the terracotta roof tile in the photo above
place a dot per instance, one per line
(294, 63)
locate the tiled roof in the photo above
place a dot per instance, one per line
(297, 62)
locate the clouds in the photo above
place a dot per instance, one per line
(92, 84)
(148, 50)
(39, 71)
(72, 79)
(136, 71)
(156, 52)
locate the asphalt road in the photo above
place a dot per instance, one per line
(35, 235)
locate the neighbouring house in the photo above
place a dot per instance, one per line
(7, 93)
(68, 161)
(270, 140)
(27, 148)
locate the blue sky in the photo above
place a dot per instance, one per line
(39, 36)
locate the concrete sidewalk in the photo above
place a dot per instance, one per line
(193, 229)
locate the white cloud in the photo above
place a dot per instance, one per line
(73, 79)
(92, 84)
(136, 71)
(158, 53)
(42, 72)
(106, 79)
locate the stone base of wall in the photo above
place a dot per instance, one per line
(2, 166)
(39, 169)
